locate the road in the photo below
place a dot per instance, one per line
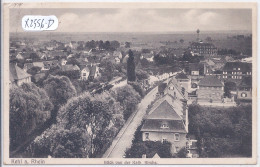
(120, 84)
(124, 138)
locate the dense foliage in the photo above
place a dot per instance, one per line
(128, 99)
(222, 131)
(88, 125)
(138, 88)
(228, 87)
(29, 108)
(59, 142)
(59, 89)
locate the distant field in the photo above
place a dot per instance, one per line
(144, 40)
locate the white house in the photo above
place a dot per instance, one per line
(84, 74)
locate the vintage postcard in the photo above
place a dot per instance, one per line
(129, 83)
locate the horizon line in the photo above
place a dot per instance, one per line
(159, 32)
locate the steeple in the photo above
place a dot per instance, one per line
(198, 35)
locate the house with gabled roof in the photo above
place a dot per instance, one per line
(210, 89)
(184, 81)
(94, 71)
(84, 74)
(19, 56)
(18, 76)
(176, 90)
(167, 121)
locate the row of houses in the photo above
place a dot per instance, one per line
(167, 119)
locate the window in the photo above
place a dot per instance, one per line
(234, 68)
(177, 136)
(171, 88)
(164, 125)
(164, 140)
(177, 149)
(84, 74)
(238, 68)
(146, 136)
(243, 95)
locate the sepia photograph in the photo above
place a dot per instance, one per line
(136, 83)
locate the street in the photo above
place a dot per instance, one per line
(124, 138)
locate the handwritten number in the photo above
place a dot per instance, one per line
(38, 22)
(42, 25)
(31, 23)
(35, 23)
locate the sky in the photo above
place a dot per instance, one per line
(140, 20)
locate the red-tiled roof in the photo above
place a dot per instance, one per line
(210, 81)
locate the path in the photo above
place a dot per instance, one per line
(124, 138)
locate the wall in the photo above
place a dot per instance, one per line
(207, 93)
(158, 136)
(25, 80)
(249, 95)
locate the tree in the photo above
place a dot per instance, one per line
(182, 153)
(34, 70)
(115, 44)
(228, 87)
(73, 61)
(34, 56)
(59, 89)
(61, 143)
(107, 45)
(128, 99)
(141, 75)
(131, 67)
(137, 87)
(127, 44)
(149, 148)
(96, 116)
(222, 131)
(29, 108)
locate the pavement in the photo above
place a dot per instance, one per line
(120, 84)
(224, 105)
(123, 140)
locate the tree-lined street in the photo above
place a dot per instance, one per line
(124, 138)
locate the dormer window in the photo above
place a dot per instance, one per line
(164, 125)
